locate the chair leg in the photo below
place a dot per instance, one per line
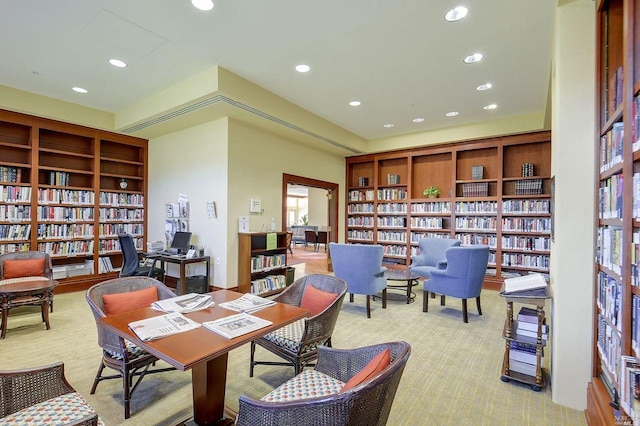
(384, 298)
(465, 317)
(368, 306)
(126, 382)
(433, 295)
(425, 301)
(478, 305)
(253, 349)
(442, 299)
(97, 379)
(351, 297)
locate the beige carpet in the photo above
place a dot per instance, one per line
(452, 377)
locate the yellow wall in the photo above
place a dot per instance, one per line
(318, 207)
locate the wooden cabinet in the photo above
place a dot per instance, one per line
(262, 262)
(494, 192)
(62, 193)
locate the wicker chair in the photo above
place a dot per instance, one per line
(298, 343)
(42, 396)
(368, 403)
(122, 356)
(28, 255)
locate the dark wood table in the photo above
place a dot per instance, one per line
(202, 350)
(408, 278)
(37, 292)
(182, 261)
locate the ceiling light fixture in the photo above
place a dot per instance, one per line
(418, 120)
(452, 114)
(202, 4)
(117, 63)
(355, 103)
(456, 14)
(79, 90)
(303, 68)
(471, 59)
(490, 106)
(485, 86)
(388, 125)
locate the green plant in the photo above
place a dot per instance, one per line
(431, 191)
(304, 219)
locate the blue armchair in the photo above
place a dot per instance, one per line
(360, 266)
(463, 278)
(431, 255)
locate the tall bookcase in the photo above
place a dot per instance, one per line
(69, 190)
(617, 295)
(484, 199)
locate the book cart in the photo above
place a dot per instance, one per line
(536, 298)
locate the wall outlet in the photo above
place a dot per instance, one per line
(217, 260)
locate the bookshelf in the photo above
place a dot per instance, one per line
(62, 193)
(616, 291)
(500, 207)
(262, 269)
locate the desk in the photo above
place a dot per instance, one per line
(202, 350)
(38, 292)
(182, 261)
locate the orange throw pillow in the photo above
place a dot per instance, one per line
(123, 302)
(375, 366)
(316, 300)
(18, 268)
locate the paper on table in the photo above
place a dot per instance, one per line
(161, 326)
(185, 303)
(236, 325)
(524, 283)
(247, 303)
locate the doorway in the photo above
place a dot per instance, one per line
(332, 207)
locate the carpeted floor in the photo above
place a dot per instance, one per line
(452, 377)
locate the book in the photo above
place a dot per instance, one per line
(524, 352)
(236, 325)
(531, 326)
(185, 303)
(533, 334)
(522, 367)
(524, 283)
(527, 314)
(247, 303)
(162, 326)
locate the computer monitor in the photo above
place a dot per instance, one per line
(181, 241)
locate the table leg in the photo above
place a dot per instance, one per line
(409, 285)
(209, 382)
(182, 282)
(5, 315)
(45, 313)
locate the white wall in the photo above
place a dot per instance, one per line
(318, 207)
(573, 164)
(192, 162)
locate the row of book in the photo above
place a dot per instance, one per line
(610, 197)
(478, 239)
(392, 194)
(608, 247)
(394, 250)
(393, 179)
(529, 187)
(395, 208)
(58, 178)
(121, 199)
(57, 231)
(615, 92)
(360, 208)
(67, 248)
(15, 212)
(365, 221)
(417, 236)
(10, 174)
(361, 195)
(475, 189)
(526, 206)
(104, 265)
(526, 243)
(523, 355)
(65, 196)
(65, 213)
(363, 181)
(481, 223)
(263, 263)
(109, 230)
(392, 222)
(611, 147)
(120, 214)
(395, 237)
(355, 234)
(270, 283)
(440, 207)
(426, 222)
(540, 261)
(526, 224)
(15, 194)
(14, 247)
(609, 347)
(609, 298)
(483, 207)
(15, 232)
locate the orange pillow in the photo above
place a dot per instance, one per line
(123, 302)
(316, 300)
(375, 366)
(17, 268)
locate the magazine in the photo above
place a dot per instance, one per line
(236, 325)
(524, 283)
(248, 303)
(185, 303)
(161, 326)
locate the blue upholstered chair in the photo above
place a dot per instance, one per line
(360, 266)
(463, 278)
(431, 255)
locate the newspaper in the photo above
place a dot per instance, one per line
(248, 303)
(524, 283)
(162, 326)
(185, 303)
(236, 325)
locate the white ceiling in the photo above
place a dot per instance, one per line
(399, 57)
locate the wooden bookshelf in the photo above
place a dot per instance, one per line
(54, 198)
(261, 269)
(397, 215)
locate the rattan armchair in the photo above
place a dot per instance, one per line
(128, 360)
(47, 274)
(42, 396)
(368, 403)
(298, 343)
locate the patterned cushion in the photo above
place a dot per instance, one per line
(288, 336)
(22, 279)
(131, 348)
(60, 410)
(308, 384)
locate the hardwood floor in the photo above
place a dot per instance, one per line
(318, 265)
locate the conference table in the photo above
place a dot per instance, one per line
(202, 351)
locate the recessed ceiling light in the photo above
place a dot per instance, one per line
(456, 14)
(452, 114)
(202, 4)
(355, 103)
(117, 63)
(388, 125)
(490, 106)
(476, 57)
(303, 68)
(485, 86)
(418, 120)
(79, 90)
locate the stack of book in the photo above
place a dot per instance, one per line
(523, 359)
(528, 324)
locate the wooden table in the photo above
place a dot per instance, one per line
(201, 350)
(37, 292)
(182, 261)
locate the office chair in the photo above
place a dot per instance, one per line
(131, 262)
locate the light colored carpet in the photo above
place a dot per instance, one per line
(452, 377)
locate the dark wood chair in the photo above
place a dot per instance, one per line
(289, 239)
(310, 237)
(322, 238)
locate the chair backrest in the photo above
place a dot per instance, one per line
(432, 250)
(27, 255)
(289, 237)
(310, 236)
(466, 267)
(130, 260)
(106, 339)
(323, 237)
(360, 266)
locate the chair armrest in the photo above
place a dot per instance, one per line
(418, 260)
(253, 412)
(442, 264)
(343, 364)
(438, 272)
